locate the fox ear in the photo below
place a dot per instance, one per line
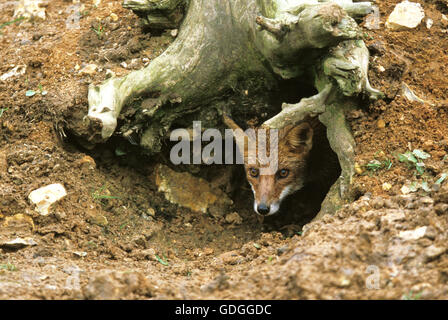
(300, 136)
(241, 138)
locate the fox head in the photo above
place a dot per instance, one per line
(272, 183)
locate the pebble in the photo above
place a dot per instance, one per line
(413, 234)
(234, 218)
(114, 17)
(406, 15)
(386, 186)
(433, 252)
(44, 197)
(358, 168)
(89, 69)
(381, 124)
(109, 74)
(441, 208)
(18, 243)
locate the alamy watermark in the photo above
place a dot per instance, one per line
(252, 147)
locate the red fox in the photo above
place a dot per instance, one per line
(305, 158)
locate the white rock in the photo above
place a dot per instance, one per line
(89, 69)
(429, 23)
(109, 74)
(386, 186)
(30, 9)
(406, 15)
(16, 71)
(413, 234)
(44, 197)
(373, 19)
(18, 243)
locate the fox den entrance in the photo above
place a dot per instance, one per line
(308, 167)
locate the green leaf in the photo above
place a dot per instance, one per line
(421, 154)
(30, 93)
(425, 187)
(161, 261)
(407, 157)
(119, 152)
(374, 165)
(420, 167)
(413, 187)
(2, 110)
(442, 178)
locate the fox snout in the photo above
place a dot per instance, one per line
(264, 209)
(267, 202)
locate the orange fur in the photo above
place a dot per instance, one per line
(270, 188)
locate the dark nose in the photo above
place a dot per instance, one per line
(263, 209)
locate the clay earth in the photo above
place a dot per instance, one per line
(115, 236)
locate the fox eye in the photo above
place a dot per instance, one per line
(254, 172)
(283, 173)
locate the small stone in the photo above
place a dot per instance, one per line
(381, 68)
(124, 65)
(234, 218)
(435, 187)
(89, 69)
(282, 250)
(14, 72)
(429, 23)
(208, 251)
(109, 74)
(19, 222)
(191, 192)
(413, 234)
(405, 189)
(114, 17)
(344, 282)
(358, 168)
(441, 208)
(231, 258)
(431, 233)
(386, 186)
(433, 252)
(87, 162)
(381, 124)
(373, 19)
(174, 33)
(406, 15)
(17, 244)
(151, 212)
(80, 254)
(393, 216)
(97, 219)
(44, 197)
(30, 9)
(377, 203)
